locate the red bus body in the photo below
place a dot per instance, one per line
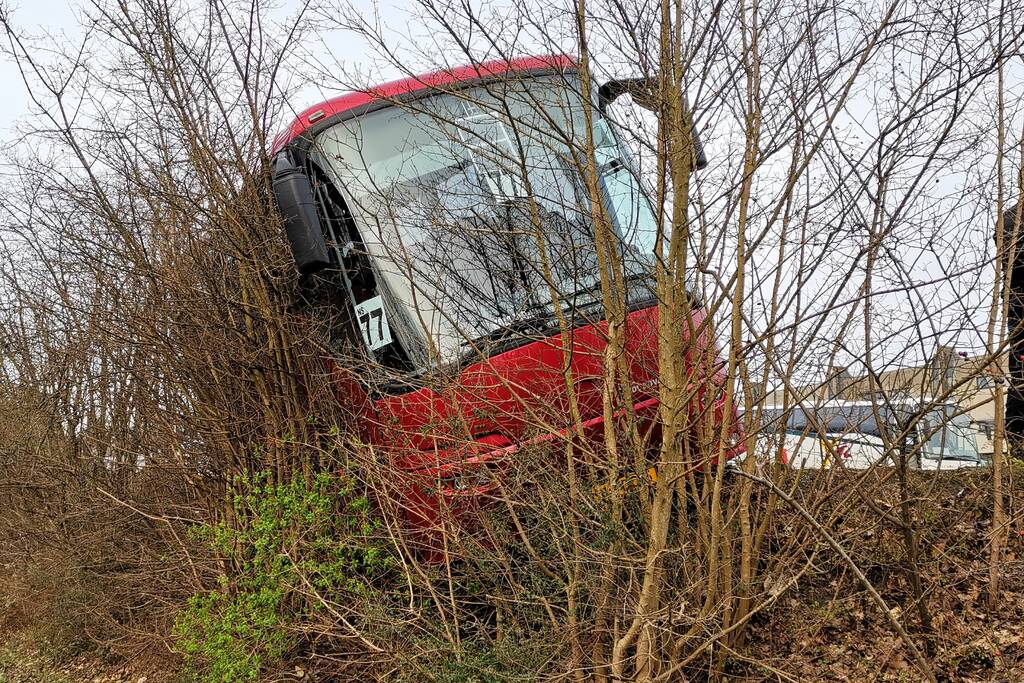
(447, 441)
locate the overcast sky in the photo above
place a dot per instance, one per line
(38, 16)
(63, 19)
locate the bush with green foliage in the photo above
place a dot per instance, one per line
(292, 546)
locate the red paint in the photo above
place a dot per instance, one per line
(323, 113)
(473, 425)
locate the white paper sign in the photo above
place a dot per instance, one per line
(373, 324)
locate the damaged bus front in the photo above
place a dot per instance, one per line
(446, 223)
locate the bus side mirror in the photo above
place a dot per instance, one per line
(293, 194)
(644, 92)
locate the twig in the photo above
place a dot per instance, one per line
(922, 663)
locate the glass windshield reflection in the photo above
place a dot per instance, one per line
(474, 211)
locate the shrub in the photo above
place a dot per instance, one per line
(293, 546)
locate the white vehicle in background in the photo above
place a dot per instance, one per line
(859, 434)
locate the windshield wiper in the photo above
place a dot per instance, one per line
(535, 327)
(627, 280)
(519, 331)
(579, 307)
(952, 456)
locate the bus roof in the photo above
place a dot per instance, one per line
(314, 118)
(835, 403)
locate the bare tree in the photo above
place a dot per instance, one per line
(748, 241)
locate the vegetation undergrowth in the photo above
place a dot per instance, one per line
(290, 550)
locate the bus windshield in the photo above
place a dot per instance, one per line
(473, 210)
(949, 438)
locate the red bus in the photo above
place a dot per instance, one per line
(444, 220)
